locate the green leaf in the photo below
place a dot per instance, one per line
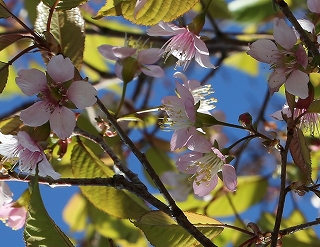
(314, 107)
(119, 203)
(3, 10)
(64, 4)
(111, 227)
(151, 13)
(162, 231)
(4, 72)
(218, 9)
(301, 154)
(67, 27)
(8, 125)
(251, 11)
(305, 238)
(75, 213)
(251, 190)
(8, 39)
(40, 229)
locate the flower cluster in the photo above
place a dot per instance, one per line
(130, 62)
(57, 91)
(28, 152)
(203, 161)
(184, 45)
(182, 109)
(288, 60)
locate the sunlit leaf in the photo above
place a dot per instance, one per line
(40, 229)
(8, 39)
(150, 14)
(251, 11)
(111, 227)
(119, 203)
(75, 213)
(301, 153)
(67, 27)
(4, 72)
(7, 126)
(162, 231)
(64, 4)
(243, 62)
(250, 190)
(314, 106)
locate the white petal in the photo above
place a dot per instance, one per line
(82, 94)
(26, 141)
(165, 29)
(60, 69)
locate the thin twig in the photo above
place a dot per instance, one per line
(176, 212)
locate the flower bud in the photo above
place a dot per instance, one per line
(245, 119)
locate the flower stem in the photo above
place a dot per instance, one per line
(122, 99)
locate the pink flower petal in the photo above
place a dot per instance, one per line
(190, 109)
(185, 161)
(229, 177)
(283, 34)
(107, 52)
(26, 141)
(62, 122)
(263, 50)
(35, 115)
(165, 29)
(276, 79)
(46, 169)
(60, 69)
(302, 56)
(31, 81)
(199, 143)
(297, 84)
(204, 188)
(149, 56)
(183, 92)
(118, 70)
(153, 70)
(314, 6)
(82, 94)
(179, 139)
(15, 216)
(123, 52)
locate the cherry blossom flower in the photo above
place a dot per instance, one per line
(204, 163)
(57, 94)
(287, 60)
(140, 60)
(181, 112)
(29, 153)
(139, 5)
(5, 193)
(308, 121)
(14, 215)
(184, 45)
